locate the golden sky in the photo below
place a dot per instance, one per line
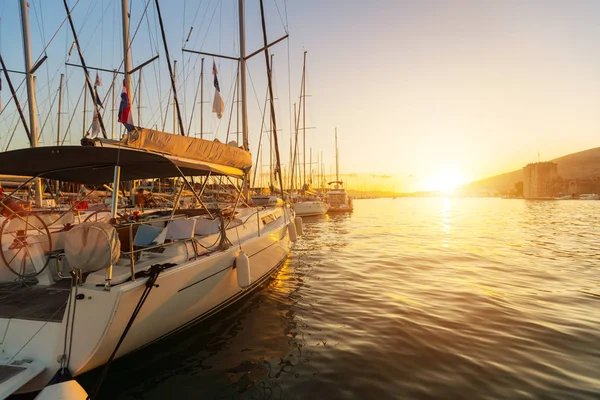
(432, 93)
(453, 91)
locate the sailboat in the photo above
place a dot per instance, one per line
(309, 204)
(76, 296)
(337, 196)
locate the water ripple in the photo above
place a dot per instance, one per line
(410, 298)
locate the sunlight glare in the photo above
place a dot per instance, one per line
(446, 181)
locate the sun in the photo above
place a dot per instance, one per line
(446, 181)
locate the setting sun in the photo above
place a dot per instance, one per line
(446, 181)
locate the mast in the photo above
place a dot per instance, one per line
(33, 126)
(337, 160)
(271, 134)
(126, 47)
(243, 77)
(322, 172)
(304, 121)
(293, 176)
(310, 167)
(60, 96)
(85, 94)
(201, 96)
(171, 76)
(112, 134)
(291, 158)
(243, 91)
(174, 83)
(139, 99)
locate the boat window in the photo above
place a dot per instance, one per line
(268, 219)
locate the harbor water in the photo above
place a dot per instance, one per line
(413, 298)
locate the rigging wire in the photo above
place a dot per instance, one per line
(194, 105)
(47, 116)
(68, 130)
(285, 26)
(15, 129)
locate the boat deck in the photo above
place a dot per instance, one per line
(40, 303)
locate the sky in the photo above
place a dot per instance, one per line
(425, 94)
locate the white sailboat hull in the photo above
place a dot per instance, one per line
(310, 208)
(186, 294)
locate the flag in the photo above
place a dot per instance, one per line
(125, 115)
(95, 129)
(97, 98)
(218, 105)
(97, 83)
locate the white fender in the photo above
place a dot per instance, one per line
(299, 226)
(69, 390)
(292, 231)
(242, 265)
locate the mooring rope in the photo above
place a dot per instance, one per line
(150, 283)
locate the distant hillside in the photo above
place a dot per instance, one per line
(582, 165)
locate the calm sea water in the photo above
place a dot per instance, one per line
(405, 298)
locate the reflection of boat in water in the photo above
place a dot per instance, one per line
(567, 197)
(337, 197)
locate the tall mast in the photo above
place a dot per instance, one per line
(201, 96)
(60, 96)
(33, 126)
(174, 99)
(112, 134)
(243, 75)
(171, 76)
(310, 167)
(337, 159)
(243, 91)
(126, 47)
(291, 161)
(85, 95)
(322, 174)
(139, 99)
(293, 176)
(304, 121)
(271, 135)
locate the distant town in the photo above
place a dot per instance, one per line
(572, 176)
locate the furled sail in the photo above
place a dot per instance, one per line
(188, 147)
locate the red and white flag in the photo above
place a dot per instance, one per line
(125, 116)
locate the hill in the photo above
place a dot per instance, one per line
(581, 165)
